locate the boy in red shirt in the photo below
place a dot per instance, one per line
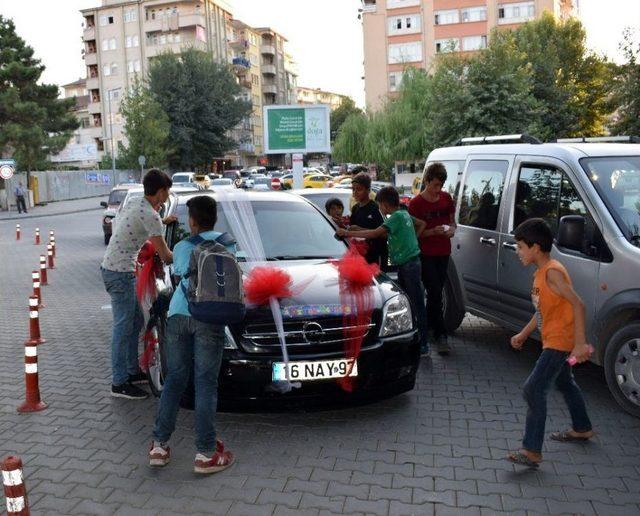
(436, 208)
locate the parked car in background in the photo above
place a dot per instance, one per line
(202, 179)
(183, 177)
(317, 181)
(224, 183)
(116, 197)
(261, 183)
(580, 190)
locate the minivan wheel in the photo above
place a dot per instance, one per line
(158, 365)
(622, 367)
(452, 313)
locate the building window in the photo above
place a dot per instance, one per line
(136, 40)
(105, 45)
(516, 13)
(395, 80)
(408, 25)
(446, 17)
(106, 20)
(114, 69)
(405, 52)
(130, 15)
(106, 70)
(114, 94)
(474, 43)
(447, 45)
(130, 68)
(127, 42)
(473, 14)
(112, 44)
(396, 4)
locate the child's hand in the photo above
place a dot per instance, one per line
(517, 341)
(581, 352)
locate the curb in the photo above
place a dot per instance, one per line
(2, 219)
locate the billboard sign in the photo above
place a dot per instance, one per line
(297, 129)
(76, 152)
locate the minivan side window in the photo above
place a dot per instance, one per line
(454, 173)
(482, 193)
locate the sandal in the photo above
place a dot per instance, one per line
(567, 437)
(517, 457)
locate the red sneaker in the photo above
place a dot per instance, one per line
(158, 455)
(219, 461)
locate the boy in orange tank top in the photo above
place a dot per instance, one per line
(560, 319)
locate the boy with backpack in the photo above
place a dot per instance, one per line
(400, 229)
(560, 318)
(208, 273)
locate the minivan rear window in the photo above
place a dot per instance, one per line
(482, 193)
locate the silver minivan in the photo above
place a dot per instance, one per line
(589, 193)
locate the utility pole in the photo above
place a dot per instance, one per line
(113, 155)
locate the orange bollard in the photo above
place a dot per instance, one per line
(14, 489)
(37, 242)
(35, 276)
(43, 270)
(17, 231)
(32, 403)
(34, 323)
(50, 255)
(52, 241)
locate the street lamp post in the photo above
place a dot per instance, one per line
(113, 155)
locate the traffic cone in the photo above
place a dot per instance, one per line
(50, 255)
(34, 323)
(52, 241)
(17, 231)
(14, 489)
(32, 403)
(43, 270)
(37, 242)
(35, 276)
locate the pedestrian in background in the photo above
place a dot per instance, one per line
(560, 318)
(437, 209)
(20, 201)
(138, 222)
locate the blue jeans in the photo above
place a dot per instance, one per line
(410, 279)
(551, 367)
(191, 345)
(127, 323)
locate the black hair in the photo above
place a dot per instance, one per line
(334, 201)
(204, 211)
(435, 171)
(389, 195)
(155, 180)
(535, 231)
(362, 179)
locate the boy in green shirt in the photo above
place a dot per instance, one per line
(401, 231)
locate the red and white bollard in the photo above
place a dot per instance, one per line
(32, 403)
(37, 242)
(34, 323)
(43, 270)
(17, 231)
(50, 255)
(14, 489)
(52, 241)
(37, 292)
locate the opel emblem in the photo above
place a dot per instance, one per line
(312, 332)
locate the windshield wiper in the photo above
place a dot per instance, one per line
(635, 239)
(292, 257)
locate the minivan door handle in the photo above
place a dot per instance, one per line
(510, 245)
(488, 241)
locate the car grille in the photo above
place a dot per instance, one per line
(304, 336)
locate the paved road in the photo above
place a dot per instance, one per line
(438, 449)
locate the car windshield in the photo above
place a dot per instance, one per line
(308, 234)
(131, 195)
(617, 180)
(117, 196)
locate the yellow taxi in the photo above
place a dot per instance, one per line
(202, 179)
(318, 181)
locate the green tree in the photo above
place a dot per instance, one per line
(626, 90)
(569, 81)
(34, 123)
(200, 97)
(338, 116)
(146, 129)
(349, 144)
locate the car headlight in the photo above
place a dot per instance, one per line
(229, 341)
(396, 316)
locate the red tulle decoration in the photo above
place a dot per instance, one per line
(150, 340)
(263, 283)
(149, 268)
(356, 277)
(360, 246)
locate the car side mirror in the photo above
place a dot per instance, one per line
(571, 232)
(104, 204)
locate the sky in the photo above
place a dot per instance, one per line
(325, 36)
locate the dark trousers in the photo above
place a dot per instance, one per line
(409, 280)
(22, 206)
(434, 276)
(551, 367)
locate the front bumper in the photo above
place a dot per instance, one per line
(386, 363)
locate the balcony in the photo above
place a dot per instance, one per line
(245, 83)
(93, 83)
(239, 44)
(269, 69)
(268, 50)
(190, 20)
(176, 48)
(247, 147)
(369, 6)
(91, 58)
(95, 108)
(89, 33)
(270, 88)
(241, 63)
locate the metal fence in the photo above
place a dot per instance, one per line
(64, 185)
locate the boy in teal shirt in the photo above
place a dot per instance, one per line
(402, 233)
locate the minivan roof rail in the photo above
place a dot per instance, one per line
(503, 138)
(599, 139)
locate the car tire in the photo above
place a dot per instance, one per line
(621, 358)
(106, 239)
(453, 314)
(156, 382)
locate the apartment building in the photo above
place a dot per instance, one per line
(121, 37)
(318, 96)
(278, 69)
(403, 33)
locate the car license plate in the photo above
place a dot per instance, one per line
(320, 370)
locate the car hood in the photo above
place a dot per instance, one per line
(316, 288)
